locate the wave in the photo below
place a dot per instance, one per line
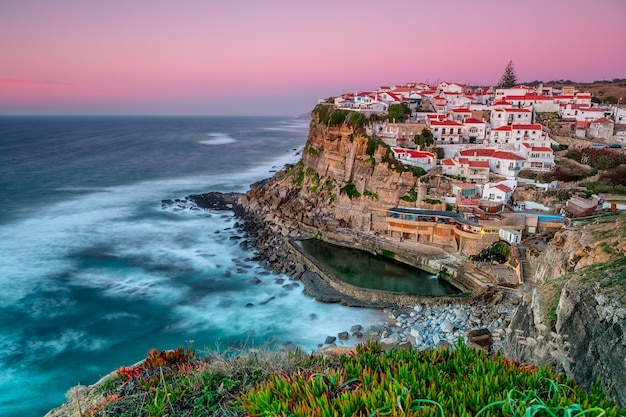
(218, 139)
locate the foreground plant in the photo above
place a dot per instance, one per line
(456, 382)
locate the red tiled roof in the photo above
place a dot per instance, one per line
(479, 164)
(462, 110)
(526, 126)
(504, 188)
(414, 154)
(503, 128)
(490, 153)
(473, 120)
(445, 123)
(542, 149)
(465, 186)
(448, 162)
(518, 110)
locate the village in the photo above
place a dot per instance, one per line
(483, 138)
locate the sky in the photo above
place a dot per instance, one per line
(277, 57)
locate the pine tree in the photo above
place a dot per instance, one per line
(509, 79)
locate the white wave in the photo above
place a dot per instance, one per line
(218, 139)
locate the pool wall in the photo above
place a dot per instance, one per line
(453, 274)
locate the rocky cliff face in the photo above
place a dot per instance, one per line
(575, 317)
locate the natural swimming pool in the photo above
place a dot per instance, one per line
(365, 270)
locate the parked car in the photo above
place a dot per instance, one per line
(615, 146)
(596, 146)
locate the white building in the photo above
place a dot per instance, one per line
(426, 160)
(474, 130)
(446, 131)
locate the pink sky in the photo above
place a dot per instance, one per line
(280, 56)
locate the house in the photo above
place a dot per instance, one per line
(574, 113)
(425, 160)
(502, 163)
(471, 170)
(538, 158)
(474, 130)
(500, 191)
(464, 190)
(601, 129)
(619, 115)
(446, 131)
(460, 114)
(580, 207)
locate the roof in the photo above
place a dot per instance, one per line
(492, 153)
(503, 188)
(479, 164)
(473, 120)
(504, 128)
(456, 216)
(414, 154)
(526, 126)
(461, 110)
(518, 110)
(542, 149)
(448, 162)
(445, 123)
(465, 186)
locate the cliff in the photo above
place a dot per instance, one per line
(574, 315)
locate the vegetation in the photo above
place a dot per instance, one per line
(399, 112)
(431, 201)
(597, 158)
(297, 173)
(330, 116)
(370, 195)
(370, 382)
(372, 145)
(458, 382)
(350, 190)
(312, 151)
(411, 197)
(425, 138)
(509, 79)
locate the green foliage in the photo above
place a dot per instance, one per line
(372, 145)
(431, 201)
(350, 190)
(312, 151)
(559, 147)
(296, 173)
(603, 159)
(399, 112)
(451, 382)
(425, 138)
(527, 173)
(370, 195)
(411, 197)
(509, 79)
(440, 152)
(387, 253)
(330, 116)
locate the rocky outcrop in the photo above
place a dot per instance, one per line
(574, 316)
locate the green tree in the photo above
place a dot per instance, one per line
(509, 79)
(399, 112)
(425, 138)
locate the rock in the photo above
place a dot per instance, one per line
(248, 305)
(357, 335)
(481, 337)
(330, 340)
(356, 328)
(255, 280)
(267, 300)
(343, 336)
(447, 327)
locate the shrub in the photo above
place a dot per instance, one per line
(350, 190)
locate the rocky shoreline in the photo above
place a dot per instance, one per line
(434, 323)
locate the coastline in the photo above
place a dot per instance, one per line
(420, 322)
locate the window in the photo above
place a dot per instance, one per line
(459, 132)
(474, 130)
(519, 116)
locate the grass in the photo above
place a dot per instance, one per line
(369, 382)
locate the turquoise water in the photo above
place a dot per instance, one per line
(365, 270)
(94, 272)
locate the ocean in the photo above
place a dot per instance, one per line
(95, 273)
